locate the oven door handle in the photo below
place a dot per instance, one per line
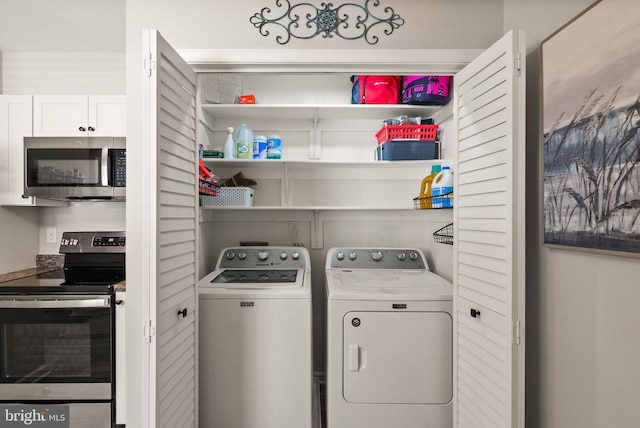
(48, 302)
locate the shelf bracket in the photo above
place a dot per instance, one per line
(317, 231)
(286, 186)
(315, 140)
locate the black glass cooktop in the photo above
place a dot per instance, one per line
(50, 282)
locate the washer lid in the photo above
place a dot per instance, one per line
(265, 283)
(375, 284)
(279, 277)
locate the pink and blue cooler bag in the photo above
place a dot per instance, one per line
(425, 90)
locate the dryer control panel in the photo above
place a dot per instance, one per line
(376, 258)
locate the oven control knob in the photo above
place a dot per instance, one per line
(46, 391)
(353, 255)
(230, 255)
(340, 255)
(376, 255)
(263, 255)
(242, 255)
(413, 256)
(295, 255)
(283, 255)
(402, 256)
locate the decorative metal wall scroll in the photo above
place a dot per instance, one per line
(349, 21)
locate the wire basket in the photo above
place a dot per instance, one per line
(444, 235)
(433, 202)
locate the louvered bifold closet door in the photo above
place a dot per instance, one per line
(489, 231)
(173, 307)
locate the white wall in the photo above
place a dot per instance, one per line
(62, 26)
(78, 217)
(63, 73)
(19, 231)
(582, 335)
(207, 24)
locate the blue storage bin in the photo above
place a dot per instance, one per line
(407, 150)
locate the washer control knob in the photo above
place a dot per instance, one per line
(263, 255)
(242, 255)
(401, 256)
(295, 255)
(353, 255)
(413, 255)
(230, 255)
(283, 256)
(340, 255)
(376, 255)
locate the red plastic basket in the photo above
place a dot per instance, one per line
(407, 132)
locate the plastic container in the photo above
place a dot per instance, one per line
(425, 187)
(243, 138)
(442, 185)
(259, 147)
(407, 150)
(229, 149)
(407, 132)
(274, 147)
(229, 197)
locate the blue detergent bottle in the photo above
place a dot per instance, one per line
(442, 185)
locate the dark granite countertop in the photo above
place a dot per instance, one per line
(33, 273)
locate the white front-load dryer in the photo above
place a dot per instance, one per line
(389, 340)
(255, 343)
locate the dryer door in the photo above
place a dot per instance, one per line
(398, 357)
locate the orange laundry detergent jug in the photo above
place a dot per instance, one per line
(425, 188)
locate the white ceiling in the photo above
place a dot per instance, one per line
(62, 25)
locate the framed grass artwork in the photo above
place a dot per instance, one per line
(591, 144)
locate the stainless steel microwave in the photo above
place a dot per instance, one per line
(75, 168)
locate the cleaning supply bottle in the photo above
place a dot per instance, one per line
(442, 185)
(229, 146)
(243, 137)
(425, 188)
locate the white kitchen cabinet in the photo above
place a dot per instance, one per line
(79, 116)
(15, 124)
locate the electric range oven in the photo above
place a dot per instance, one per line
(57, 339)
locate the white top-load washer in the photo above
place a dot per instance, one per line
(389, 340)
(255, 335)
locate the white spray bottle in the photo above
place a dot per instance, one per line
(229, 145)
